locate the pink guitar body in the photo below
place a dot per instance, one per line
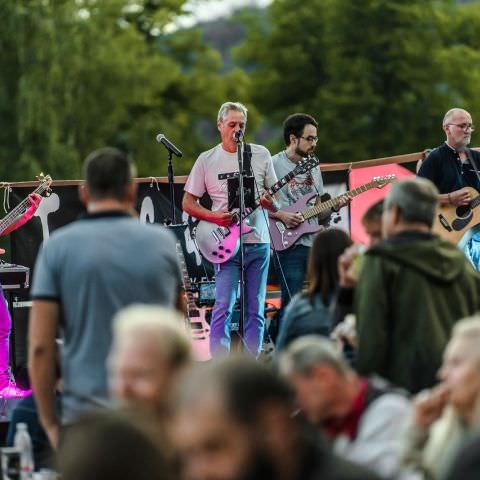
(284, 237)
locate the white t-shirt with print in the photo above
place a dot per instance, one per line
(204, 179)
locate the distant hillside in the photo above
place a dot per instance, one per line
(223, 34)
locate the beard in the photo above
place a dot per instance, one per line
(465, 141)
(303, 153)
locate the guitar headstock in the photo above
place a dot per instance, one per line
(45, 182)
(380, 182)
(306, 165)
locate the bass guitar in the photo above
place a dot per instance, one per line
(451, 222)
(13, 215)
(218, 244)
(284, 237)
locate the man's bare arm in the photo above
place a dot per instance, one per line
(42, 354)
(192, 207)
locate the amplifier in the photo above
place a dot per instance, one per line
(13, 277)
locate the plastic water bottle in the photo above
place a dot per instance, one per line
(23, 442)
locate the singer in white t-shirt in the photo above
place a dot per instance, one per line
(204, 177)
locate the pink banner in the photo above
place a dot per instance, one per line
(362, 202)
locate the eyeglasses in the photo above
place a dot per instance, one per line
(310, 138)
(464, 126)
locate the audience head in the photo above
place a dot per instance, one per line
(319, 374)
(108, 174)
(457, 125)
(322, 270)
(460, 372)
(109, 446)
(150, 347)
(410, 205)
(232, 421)
(372, 222)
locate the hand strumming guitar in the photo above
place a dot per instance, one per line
(459, 197)
(290, 219)
(221, 217)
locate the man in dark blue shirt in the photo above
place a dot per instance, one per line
(452, 167)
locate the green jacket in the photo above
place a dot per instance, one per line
(411, 291)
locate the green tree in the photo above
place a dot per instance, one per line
(78, 75)
(377, 74)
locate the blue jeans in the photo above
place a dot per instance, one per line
(294, 266)
(227, 275)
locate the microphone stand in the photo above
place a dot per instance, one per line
(241, 320)
(171, 185)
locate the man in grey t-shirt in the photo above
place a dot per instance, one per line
(86, 272)
(300, 135)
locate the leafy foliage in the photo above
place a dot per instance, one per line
(377, 74)
(78, 75)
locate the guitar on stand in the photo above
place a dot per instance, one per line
(284, 237)
(218, 244)
(196, 317)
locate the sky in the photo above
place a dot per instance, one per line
(203, 10)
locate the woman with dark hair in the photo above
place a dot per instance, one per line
(308, 312)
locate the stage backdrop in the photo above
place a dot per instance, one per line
(153, 205)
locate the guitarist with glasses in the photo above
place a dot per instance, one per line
(300, 136)
(7, 386)
(454, 169)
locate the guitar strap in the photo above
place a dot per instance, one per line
(472, 162)
(247, 159)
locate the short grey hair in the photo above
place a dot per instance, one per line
(448, 116)
(227, 106)
(308, 351)
(416, 198)
(163, 325)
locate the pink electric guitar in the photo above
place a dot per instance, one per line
(284, 237)
(218, 244)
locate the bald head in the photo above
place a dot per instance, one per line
(458, 128)
(453, 112)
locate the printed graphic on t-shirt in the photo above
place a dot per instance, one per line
(298, 187)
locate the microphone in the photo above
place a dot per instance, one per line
(238, 135)
(161, 138)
